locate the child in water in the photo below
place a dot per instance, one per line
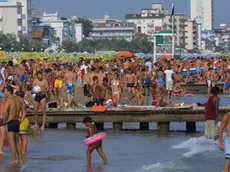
(92, 130)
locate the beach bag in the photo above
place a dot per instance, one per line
(97, 108)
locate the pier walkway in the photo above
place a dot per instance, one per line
(143, 115)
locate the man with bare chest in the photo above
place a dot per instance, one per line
(87, 84)
(58, 85)
(69, 80)
(40, 99)
(131, 82)
(13, 108)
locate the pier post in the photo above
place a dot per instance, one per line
(53, 125)
(71, 125)
(100, 125)
(144, 126)
(163, 126)
(191, 127)
(117, 126)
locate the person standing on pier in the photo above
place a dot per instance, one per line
(208, 77)
(169, 80)
(69, 80)
(40, 99)
(211, 117)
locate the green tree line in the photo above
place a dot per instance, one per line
(9, 42)
(136, 45)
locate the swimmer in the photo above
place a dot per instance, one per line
(92, 130)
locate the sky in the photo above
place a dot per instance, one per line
(96, 9)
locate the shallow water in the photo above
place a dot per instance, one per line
(127, 151)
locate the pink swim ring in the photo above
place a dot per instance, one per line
(95, 138)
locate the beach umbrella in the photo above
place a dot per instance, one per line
(126, 54)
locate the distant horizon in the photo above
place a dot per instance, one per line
(97, 9)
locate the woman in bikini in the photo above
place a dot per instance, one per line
(116, 89)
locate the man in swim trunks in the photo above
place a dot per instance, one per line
(131, 82)
(40, 99)
(13, 108)
(58, 84)
(86, 87)
(69, 80)
(147, 80)
(23, 78)
(211, 117)
(96, 91)
(224, 144)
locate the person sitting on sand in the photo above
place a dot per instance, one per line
(158, 94)
(178, 90)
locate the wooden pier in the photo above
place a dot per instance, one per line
(142, 115)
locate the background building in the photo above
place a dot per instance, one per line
(61, 29)
(155, 19)
(222, 37)
(202, 11)
(191, 34)
(112, 29)
(149, 20)
(16, 17)
(179, 27)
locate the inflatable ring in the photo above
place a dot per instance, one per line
(95, 138)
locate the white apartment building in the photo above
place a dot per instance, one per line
(79, 32)
(16, 17)
(179, 27)
(202, 11)
(191, 34)
(156, 19)
(112, 29)
(149, 21)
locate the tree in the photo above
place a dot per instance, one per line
(69, 45)
(87, 26)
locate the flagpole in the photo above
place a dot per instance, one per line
(173, 36)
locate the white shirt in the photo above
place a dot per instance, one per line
(84, 67)
(169, 74)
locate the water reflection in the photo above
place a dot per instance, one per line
(97, 168)
(36, 133)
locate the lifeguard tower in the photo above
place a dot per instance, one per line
(164, 44)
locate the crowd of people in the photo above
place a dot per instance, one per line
(33, 83)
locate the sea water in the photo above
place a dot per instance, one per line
(127, 151)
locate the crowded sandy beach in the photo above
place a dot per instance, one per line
(42, 84)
